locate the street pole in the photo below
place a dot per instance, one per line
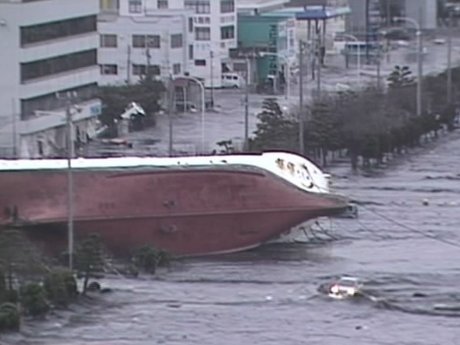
(301, 107)
(70, 205)
(203, 106)
(419, 72)
(358, 59)
(246, 107)
(358, 62)
(378, 68)
(128, 66)
(318, 57)
(212, 77)
(15, 149)
(388, 13)
(449, 61)
(170, 115)
(419, 60)
(288, 79)
(367, 5)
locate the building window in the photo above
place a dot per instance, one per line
(190, 51)
(198, 6)
(49, 101)
(162, 4)
(200, 62)
(146, 41)
(108, 41)
(141, 70)
(53, 30)
(176, 41)
(109, 69)
(135, 6)
(202, 20)
(227, 6)
(176, 68)
(108, 5)
(202, 34)
(227, 32)
(59, 64)
(190, 25)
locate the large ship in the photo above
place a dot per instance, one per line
(185, 205)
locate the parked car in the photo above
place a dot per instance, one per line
(232, 80)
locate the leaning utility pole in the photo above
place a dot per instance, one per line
(301, 106)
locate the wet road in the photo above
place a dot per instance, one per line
(398, 246)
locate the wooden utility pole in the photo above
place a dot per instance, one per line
(449, 61)
(170, 93)
(70, 198)
(318, 63)
(301, 105)
(246, 105)
(211, 63)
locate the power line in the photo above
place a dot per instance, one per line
(409, 228)
(402, 225)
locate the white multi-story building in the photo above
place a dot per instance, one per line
(211, 29)
(48, 53)
(136, 40)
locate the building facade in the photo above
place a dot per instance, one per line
(423, 11)
(51, 60)
(270, 42)
(153, 41)
(211, 31)
(365, 19)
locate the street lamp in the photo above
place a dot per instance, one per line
(358, 61)
(203, 105)
(419, 60)
(287, 72)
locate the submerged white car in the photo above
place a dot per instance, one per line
(345, 287)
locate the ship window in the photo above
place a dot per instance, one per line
(40, 147)
(280, 163)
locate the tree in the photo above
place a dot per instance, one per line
(147, 92)
(60, 287)
(323, 130)
(89, 259)
(148, 258)
(274, 131)
(19, 259)
(33, 299)
(10, 319)
(400, 76)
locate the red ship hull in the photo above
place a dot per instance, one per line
(185, 211)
